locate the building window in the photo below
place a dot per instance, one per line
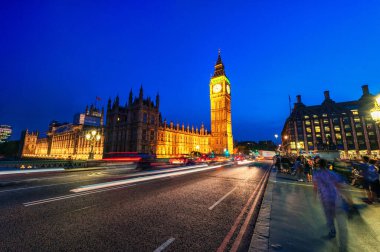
(306, 117)
(348, 134)
(144, 135)
(359, 133)
(307, 122)
(358, 125)
(308, 130)
(325, 121)
(292, 145)
(354, 112)
(317, 129)
(316, 122)
(145, 118)
(336, 128)
(338, 136)
(151, 135)
(315, 116)
(327, 129)
(356, 119)
(324, 115)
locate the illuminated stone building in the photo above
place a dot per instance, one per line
(138, 126)
(65, 140)
(5, 133)
(344, 126)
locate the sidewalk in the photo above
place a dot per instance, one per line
(291, 220)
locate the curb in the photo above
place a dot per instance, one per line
(260, 237)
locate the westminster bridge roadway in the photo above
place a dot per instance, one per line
(198, 208)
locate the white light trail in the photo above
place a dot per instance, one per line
(140, 179)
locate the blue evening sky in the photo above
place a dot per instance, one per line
(57, 56)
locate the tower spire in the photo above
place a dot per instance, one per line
(219, 67)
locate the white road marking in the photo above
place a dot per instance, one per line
(164, 245)
(140, 179)
(221, 199)
(80, 209)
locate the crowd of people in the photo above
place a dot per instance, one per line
(328, 184)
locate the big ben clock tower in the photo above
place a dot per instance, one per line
(220, 98)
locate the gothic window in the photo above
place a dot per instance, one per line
(145, 118)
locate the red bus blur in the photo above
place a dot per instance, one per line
(126, 156)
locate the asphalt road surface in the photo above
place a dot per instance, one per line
(195, 209)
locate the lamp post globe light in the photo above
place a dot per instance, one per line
(93, 136)
(375, 112)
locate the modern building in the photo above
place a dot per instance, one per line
(138, 126)
(66, 140)
(5, 133)
(344, 126)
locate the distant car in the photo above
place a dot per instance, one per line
(239, 158)
(182, 160)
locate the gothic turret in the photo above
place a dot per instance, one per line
(109, 104)
(158, 101)
(130, 100)
(141, 94)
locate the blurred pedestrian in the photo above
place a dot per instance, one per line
(307, 169)
(371, 180)
(326, 185)
(299, 169)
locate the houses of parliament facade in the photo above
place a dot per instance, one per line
(138, 127)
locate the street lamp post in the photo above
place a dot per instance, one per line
(375, 112)
(93, 136)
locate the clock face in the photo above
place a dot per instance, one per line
(216, 88)
(228, 89)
